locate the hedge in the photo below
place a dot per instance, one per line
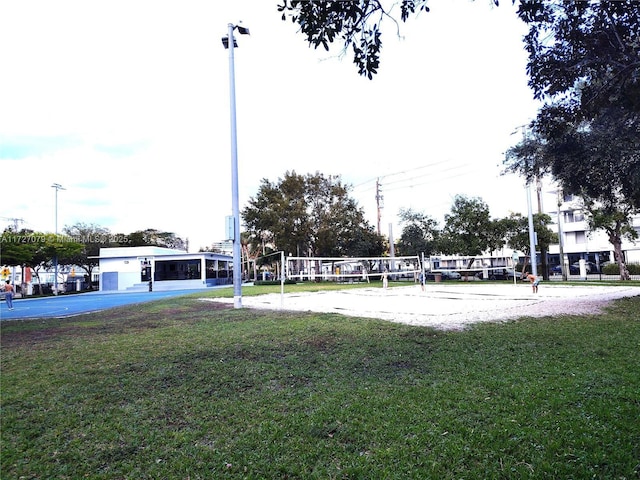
(613, 269)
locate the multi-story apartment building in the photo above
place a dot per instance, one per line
(579, 242)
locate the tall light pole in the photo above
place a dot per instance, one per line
(229, 42)
(58, 187)
(532, 234)
(563, 267)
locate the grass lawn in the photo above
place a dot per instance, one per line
(183, 389)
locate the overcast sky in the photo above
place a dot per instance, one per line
(126, 105)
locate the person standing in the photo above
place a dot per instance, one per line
(535, 281)
(421, 278)
(8, 289)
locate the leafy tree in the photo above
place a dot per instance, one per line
(310, 215)
(153, 237)
(18, 248)
(517, 235)
(615, 220)
(61, 247)
(355, 24)
(584, 55)
(364, 242)
(25, 249)
(584, 61)
(420, 233)
(37, 250)
(497, 234)
(251, 251)
(278, 214)
(92, 238)
(468, 228)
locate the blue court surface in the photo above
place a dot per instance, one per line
(68, 305)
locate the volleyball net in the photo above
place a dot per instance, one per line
(351, 269)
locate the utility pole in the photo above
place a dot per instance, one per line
(379, 203)
(15, 222)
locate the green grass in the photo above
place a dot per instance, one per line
(180, 389)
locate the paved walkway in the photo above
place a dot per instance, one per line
(68, 305)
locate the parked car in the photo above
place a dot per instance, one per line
(450, 275)
(443, 274)
(574, 268)
(498, 274)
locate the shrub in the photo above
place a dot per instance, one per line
(613, 269)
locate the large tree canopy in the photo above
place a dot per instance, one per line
(92, 237)
(468, 229)
(151, 236)
(419, 233)
(310, 215)
(584, 54)
(584, 62)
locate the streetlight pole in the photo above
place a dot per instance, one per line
(229, 42)
(58, 187)
(532, 234)
(563, 267)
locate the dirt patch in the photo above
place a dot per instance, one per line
(121, 320)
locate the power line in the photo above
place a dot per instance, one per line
(375, 179)
(430, 181)
(15, 222)
(430, 174)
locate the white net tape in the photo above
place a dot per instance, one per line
(351, 269)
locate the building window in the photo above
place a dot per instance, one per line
(573, 216)
(218, 269)
(177, 270)
(581, 237)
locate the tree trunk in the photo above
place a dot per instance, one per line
(616, 241)
(524, 265)
(39, 282)
(543, 263)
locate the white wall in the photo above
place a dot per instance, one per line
(129, 271)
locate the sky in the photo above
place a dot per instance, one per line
(126, 105)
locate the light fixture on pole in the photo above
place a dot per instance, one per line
(230, 43)
(58, 187)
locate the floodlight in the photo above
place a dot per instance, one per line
(225, 42)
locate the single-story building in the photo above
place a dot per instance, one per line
(158, 268)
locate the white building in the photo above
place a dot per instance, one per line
(158, 268)
(578, 242)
